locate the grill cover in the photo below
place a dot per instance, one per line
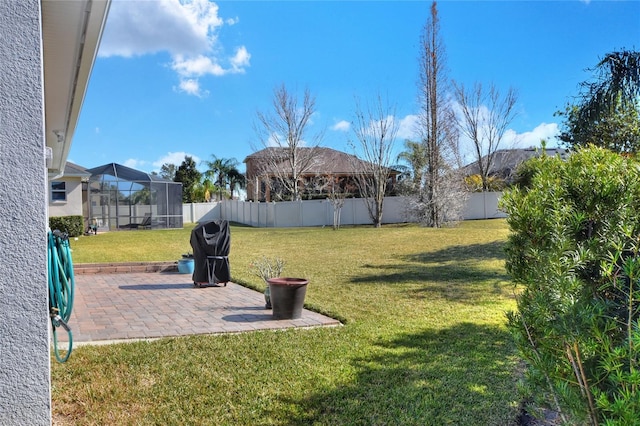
(211, 240)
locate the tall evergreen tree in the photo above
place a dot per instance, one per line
(190, 177)
(168, 171)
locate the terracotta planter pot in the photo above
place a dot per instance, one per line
(287, 297)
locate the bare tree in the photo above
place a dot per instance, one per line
(288, 152)
(439, 199)
(375, 130)
(484, 118)
(336, 196)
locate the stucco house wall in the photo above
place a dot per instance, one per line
(73, 202)
(47, 51)
(24, 377)
(72, 206)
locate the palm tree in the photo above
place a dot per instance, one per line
(415, 155)
(207, 188)
(608, 107)
(236, 179)
(218, 171)
(618, 82)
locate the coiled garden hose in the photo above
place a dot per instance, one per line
(61, 287)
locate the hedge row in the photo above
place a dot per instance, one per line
(72, 225)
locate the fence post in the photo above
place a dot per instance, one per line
(300, 215)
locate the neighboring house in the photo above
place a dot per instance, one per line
(506, 161)
(113, 197)
(67, 194)
(327, 166)
(47, 51)
(124, 198)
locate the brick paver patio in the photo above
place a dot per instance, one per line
(114, 307)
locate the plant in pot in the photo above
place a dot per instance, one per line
(267, 268)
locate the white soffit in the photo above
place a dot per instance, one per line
(71, 31)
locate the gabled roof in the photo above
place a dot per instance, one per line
(326, 161)
(125, 173)
(73, 170)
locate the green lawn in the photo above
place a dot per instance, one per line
(424, 341)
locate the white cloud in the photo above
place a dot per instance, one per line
(191, 87)
(142, 27)
(134, 163)
(341, 126)
(174, 158)
(186, 29)
(546, 131)
(240, 59)
(407, 127)
(196, 66)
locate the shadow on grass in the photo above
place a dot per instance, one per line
(461, 375)
(456, 273)
(486, 251)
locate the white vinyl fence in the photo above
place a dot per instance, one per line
(320, 212)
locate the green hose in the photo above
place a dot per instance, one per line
(61, 287)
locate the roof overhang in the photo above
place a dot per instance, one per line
(71, 32)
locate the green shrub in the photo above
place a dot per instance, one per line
(72, 225)
(574, 252)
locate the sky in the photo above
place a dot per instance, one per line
(178, 77)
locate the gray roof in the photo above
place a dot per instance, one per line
(74, 170)
(325, 160)
(506, 161)
(125, 173)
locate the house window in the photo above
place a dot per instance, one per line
(58, 191)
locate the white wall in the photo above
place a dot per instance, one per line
(483, 205)
(24, 326)
(320, 212)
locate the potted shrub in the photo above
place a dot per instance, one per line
(266, 268)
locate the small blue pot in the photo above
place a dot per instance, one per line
(185, 266)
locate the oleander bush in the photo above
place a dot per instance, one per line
(573, 255)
